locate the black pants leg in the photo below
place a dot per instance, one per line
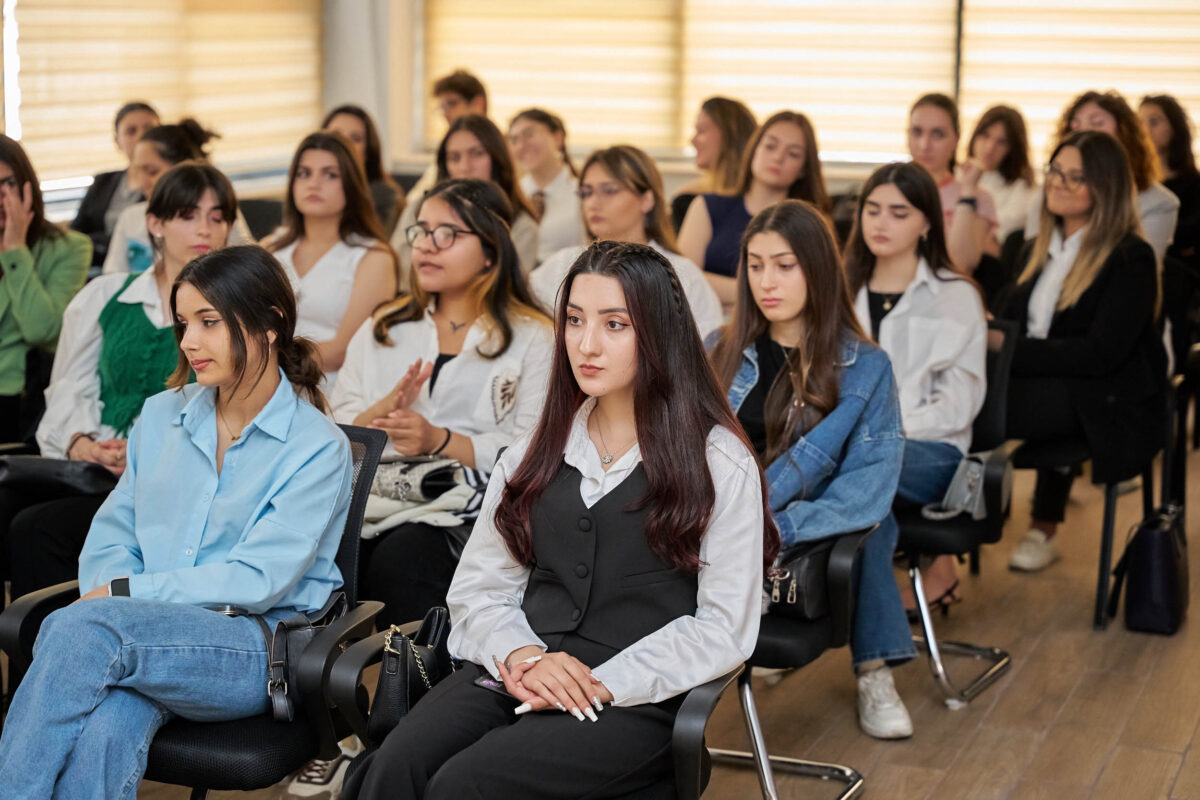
(1039, 410)
(45, 541)
(10, 418)
(409, 570)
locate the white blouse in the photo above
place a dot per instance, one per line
(706, 307)
(129, 248)
(489, 400)
(489, 585)
(1012, 202)
(936, 337)
(73, 396)
(562, 222)
(1043, 300)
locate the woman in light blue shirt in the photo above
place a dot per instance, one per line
(236, 492)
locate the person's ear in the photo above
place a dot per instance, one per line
(647, 203)
(155, 226)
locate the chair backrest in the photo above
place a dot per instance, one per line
(988, 431)
(366, 446)
(262, 215)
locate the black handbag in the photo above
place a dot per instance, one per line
(55, 475)
(409, 669)
(797, 584)
(1154, 570)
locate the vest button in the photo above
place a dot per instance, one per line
(575, 615)
(585, 524)
(581, 570)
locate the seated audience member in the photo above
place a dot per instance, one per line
(539, 147)
(636, 441)
(332, 248)
(1090, 362)
(1157, 207)
(454, 368)
(112, 192)
(117, 348)
(931, 323)
(475, 148)
(235, 491)
(356, 125)
(724, 127)
(1000, 144)
(457, 94)
(968, 208)
(818, 404)
(159, 149)
(41, 269)
(782, 162)
(621, 199)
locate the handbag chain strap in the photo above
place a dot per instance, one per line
(387, 646)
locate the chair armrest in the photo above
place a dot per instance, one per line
(687, 738)
(20, 622)
(17, 449)
(842, 580)
(997, 490)
(345, 677)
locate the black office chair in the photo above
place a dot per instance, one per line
(921, 537)
(256, 752)
(263, 215)
(1192, 391)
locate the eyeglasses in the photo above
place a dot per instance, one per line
(605, 190)
(443, 235)
(1070, 182)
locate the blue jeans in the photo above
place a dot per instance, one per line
(881, 629)
(107, 674)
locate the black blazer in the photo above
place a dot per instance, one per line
(1109, 350)
(89, 219)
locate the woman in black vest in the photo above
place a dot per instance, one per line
(617, 562)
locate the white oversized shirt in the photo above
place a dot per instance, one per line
(489, 585)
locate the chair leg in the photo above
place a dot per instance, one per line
(198, 794)
(956, 698)
(1148, 491)
(765, 763)
(974, 560)
(1100, 622)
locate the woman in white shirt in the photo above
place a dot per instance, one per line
(1000, 144)
(456, 368)
(621, 199)
(331, 247)
(931, 323)
(539, 145)
(159, 149)
(671, 584)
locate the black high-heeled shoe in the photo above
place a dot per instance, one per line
(942, 603)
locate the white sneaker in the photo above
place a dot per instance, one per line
(881, 712)
(321, 778)
(1034, 553)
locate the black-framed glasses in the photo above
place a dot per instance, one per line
(443, 235)
(1070, 181)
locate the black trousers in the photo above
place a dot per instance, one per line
(1039, 410)
(10, 418)
(409, 569)
(463, 742)
(45, 539)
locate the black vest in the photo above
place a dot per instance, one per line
(596, 586)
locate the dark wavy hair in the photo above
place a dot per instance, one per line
(12, 154)
(677, 401)
(251, 292)
(504, 174)
(372, 144)
(182, 142)
(1015, 165)
(1131, 133)
(810, 185)
(1180, 158)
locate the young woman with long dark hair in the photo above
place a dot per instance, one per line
(723, 129)
(818, 402)
(332, 247)
(539, 145)
(1170, 132)
(235, 491)
(1000, 144)
(637, 491)
(1090, 363)
(356, 125)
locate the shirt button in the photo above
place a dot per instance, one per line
(187, 552)
(575, 615)
(206, 498)
(581, 570)
(585, 524)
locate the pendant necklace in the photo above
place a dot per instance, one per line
(606, 457)
(228, 430)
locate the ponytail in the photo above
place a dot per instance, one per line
(183, 142)
(298, 360)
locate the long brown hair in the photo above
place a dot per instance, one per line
(554, 124)
(504, 174)
(636, 171)
(810, 185)
(677, 401)
(500, 291)
(1015, 166)
(1114, 216)
(247, 286)
(12, 154)
(737, 125)
(1142, 158)
(813, 371)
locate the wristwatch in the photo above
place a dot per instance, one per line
(119, 587)
(973, 202)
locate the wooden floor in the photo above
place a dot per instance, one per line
(1081, 713)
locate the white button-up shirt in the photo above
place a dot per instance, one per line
(1043, 300)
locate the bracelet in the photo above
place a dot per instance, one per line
(442, 446)
(75, 440)
(973, 202)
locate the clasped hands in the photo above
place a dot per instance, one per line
(543, 680)
(411, 434)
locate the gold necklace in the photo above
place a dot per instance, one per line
(228, 430)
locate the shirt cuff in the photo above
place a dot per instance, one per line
(143, 587)
(619, 683)
(501, 643)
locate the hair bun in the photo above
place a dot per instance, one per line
(197, 133)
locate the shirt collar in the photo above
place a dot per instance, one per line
(275, 418)
(142, 290)
(925, 277)
(849, 354)
(1060, 246)
(582, 454)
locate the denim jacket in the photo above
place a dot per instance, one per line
(842, 475)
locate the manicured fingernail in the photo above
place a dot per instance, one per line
(596, 702)
(532, 660)
(560, 707)
(523, 708)
(590, 714)
(577, 714)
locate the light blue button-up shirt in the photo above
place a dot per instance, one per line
(263, 534)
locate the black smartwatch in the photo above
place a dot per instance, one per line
(973, 202)
(119, 587)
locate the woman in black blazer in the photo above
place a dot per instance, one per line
(111, 192)
(1090, 362)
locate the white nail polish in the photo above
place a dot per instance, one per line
(577, 714)
(596, 702)
(561, 707)
(591, 714)
(532, 660)
(523, 708)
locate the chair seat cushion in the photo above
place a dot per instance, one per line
(1047, 455)
(790, 643)
(956, 536)
(241, 754)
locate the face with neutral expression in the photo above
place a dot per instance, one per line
(931, 138)
(355, 132)
(317, 189)
(599, 335)
(776, 279)
(610, 209)
(779, 157)
(890, 224)
(452, 268)
(466, 157)
(1157, 125)
(130, 129)
(991, 147)
(148, 166)
(1091, 117)
(206, 341)
(193, 232)
(706, 141)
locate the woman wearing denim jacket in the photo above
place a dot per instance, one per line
(819, 405)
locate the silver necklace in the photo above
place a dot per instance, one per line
(606, 457)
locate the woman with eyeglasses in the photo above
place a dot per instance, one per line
(456, 367)
(1090, 362)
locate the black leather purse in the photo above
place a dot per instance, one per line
(797, 584)
(1154, 570)
(55, 475)
(409, 669)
